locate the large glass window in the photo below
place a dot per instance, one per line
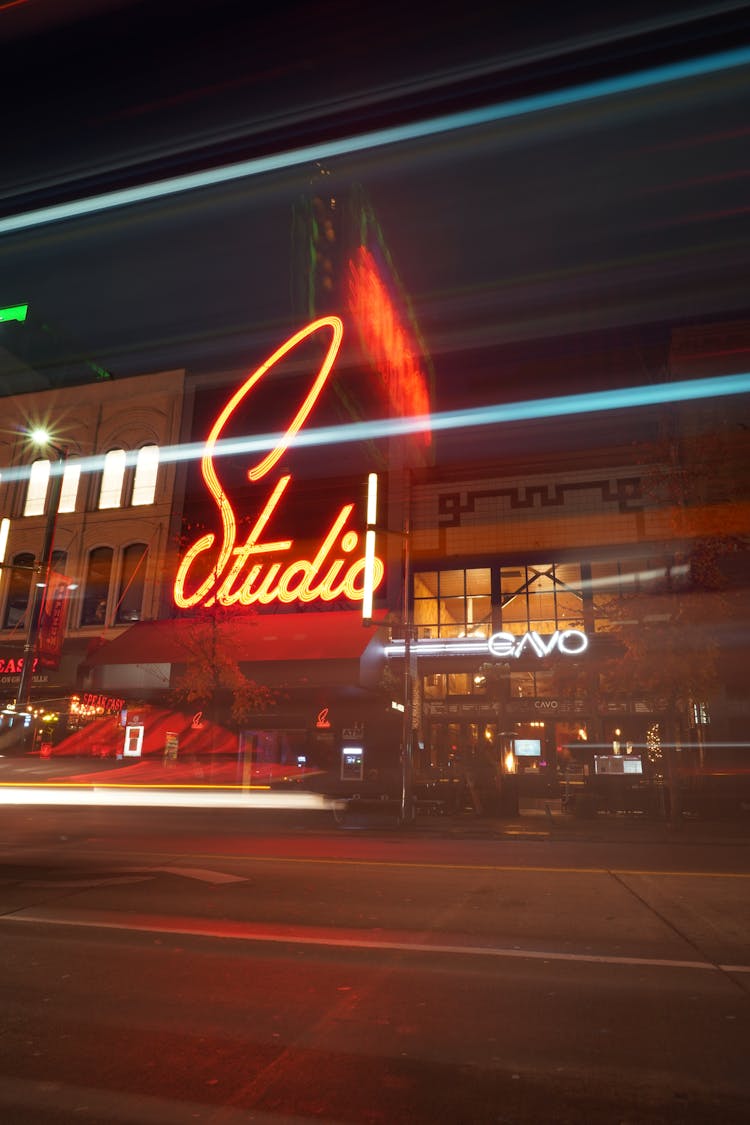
(113, 476)
(544, 597)
(528, 684)
(146, 469)
(19, 587)
(619, 578)
(453, 603)
(439, 685)
(130, 592)
(96, 590)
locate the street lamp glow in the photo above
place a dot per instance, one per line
(43, 438)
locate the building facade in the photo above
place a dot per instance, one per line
(111, 533)
(573, 607)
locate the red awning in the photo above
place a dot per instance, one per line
(272, 637)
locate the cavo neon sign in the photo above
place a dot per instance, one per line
(247, 574)
(569, 642)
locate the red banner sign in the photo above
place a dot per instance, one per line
(52, 620)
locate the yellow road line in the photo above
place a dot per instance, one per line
(332, 860)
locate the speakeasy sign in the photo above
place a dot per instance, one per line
(263, 570)
(14, 665)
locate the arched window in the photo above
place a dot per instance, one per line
(132, 582)
(36, 495)
(96, 590)
(19, 588)
(113, 476)
(144, 481)
(71, 478)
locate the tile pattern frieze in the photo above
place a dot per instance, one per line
(624, 492)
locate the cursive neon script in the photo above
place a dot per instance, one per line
(247, 574)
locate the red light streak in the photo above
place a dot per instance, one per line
(387, 340)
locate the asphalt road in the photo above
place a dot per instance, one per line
(172, 966)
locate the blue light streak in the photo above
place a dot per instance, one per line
(378, 138)
(587, 402)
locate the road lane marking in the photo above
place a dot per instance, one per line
(319, 936)
(129, 875)
(200, 873)
(332, 860)
(80, 884)
(245, 857)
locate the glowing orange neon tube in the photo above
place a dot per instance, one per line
(329, 574)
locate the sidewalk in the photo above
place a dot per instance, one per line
(534, 823)
(624, 827)
(537, 819)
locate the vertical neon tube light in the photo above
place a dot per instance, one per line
(369, 572)
(4, 530)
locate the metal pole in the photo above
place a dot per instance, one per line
(40, 584)
(407, 752)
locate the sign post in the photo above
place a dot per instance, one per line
(39, 584)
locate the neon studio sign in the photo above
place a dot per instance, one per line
(261, 570)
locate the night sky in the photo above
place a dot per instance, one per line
(543, 252)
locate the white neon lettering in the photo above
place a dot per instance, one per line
(569, 642)
(501, 644)
(576, 635)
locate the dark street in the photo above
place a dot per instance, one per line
(166, 965)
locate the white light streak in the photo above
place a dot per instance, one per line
(163, 798)
(623, 398)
